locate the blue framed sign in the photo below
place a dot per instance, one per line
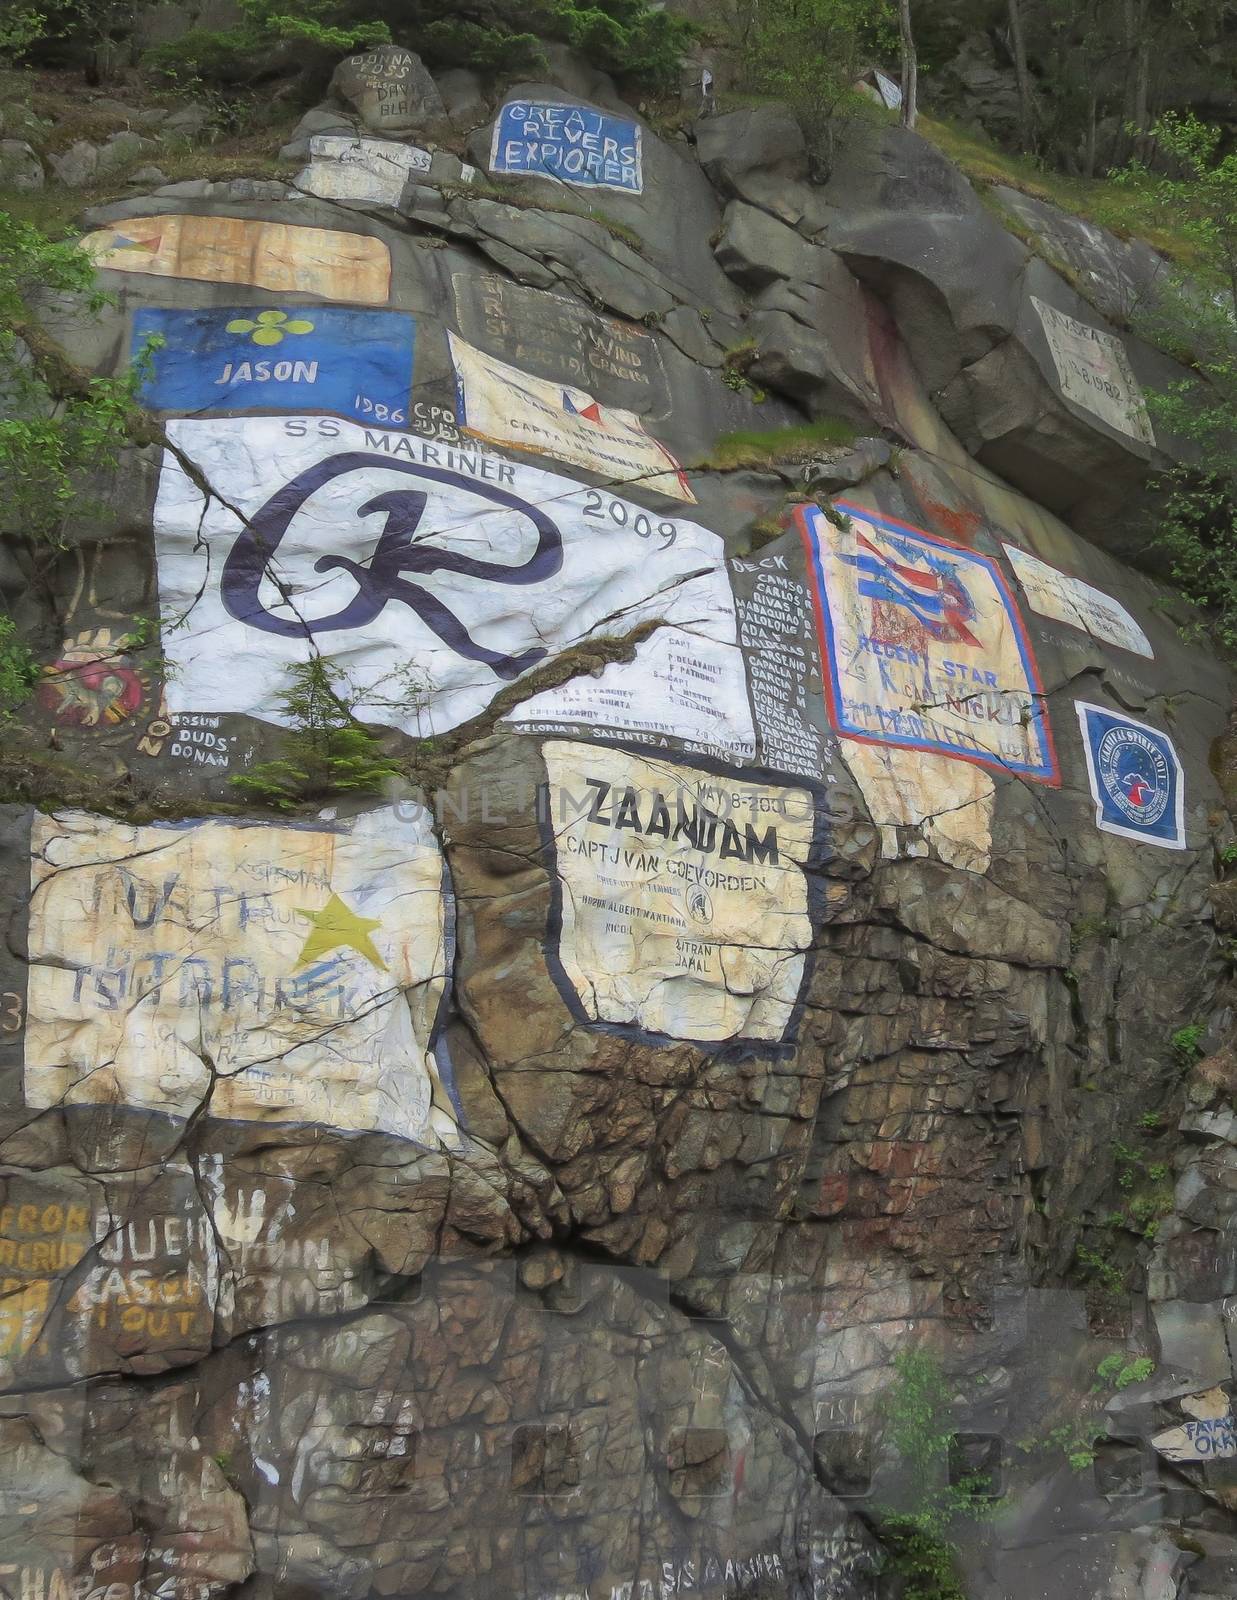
(573, 144)
(1136, 779)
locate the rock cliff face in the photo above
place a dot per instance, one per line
(779, 944)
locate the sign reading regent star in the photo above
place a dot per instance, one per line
(356, 363)
(923, 646)
(574, 144)
(681, 901)
(1136, 779)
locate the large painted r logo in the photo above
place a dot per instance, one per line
(381, 579)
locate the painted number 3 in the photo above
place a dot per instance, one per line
(10, 1012)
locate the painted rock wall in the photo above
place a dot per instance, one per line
(519, 1175)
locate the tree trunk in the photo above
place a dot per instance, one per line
(1142, 115)
(910, 66)
(1088, 164)
(1018, 49)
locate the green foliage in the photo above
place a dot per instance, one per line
(626, 37)
(1105, 1272)
(1090, 928)
(1195, 316)
(18, 669)
(1186, 1043)
(320, 29)
(326, 751)
(916, 1409)
(20, 27)
(1228, 855)
(1119, 1373)
(809, 52)
(748, 448)
(56, 426)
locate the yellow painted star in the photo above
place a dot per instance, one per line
(336, 924)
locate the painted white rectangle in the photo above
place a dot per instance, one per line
(434, 575)
(1055, 594)
(682, 903)
(1208, 1439)
(1094, 372)
(498, 402)
(345, 168)
(890, 92)
(278, 973)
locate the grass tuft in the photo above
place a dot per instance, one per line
(1125, 210)
(780, 446)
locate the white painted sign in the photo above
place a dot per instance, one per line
(499, 402)
(349, 168)
(435, 575)
(682, 903)
(1094, 372)
(1207, 1439)
(278, 973)
(890, 92)
(1055, 594)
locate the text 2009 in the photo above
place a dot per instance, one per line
(623, 516)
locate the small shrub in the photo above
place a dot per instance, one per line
(18, 669)
(1186, 1043)
(326, 751)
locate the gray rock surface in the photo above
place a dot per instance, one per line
(389, 89)
(420, 1191)
(20, 167)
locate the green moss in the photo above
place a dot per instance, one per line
(1127, 211)
(747, 448)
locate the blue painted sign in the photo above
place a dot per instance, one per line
(302, 358)
(574, 144)
(1136, 778)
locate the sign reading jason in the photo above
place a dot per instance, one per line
(499, 402)
(1055, 594)
(923, 646)
(357, 363)
(1094, 372)
(280, 256)
(306, 965)
(573, 144)
(1136, 778)
(681, 901)
(414, 559)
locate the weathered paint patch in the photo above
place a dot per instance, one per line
(681, 897)
(373, 170)
(1094, 372)
(923, 645)
(1055, 594)
(281, 974)
(283, 257)
(498, 402)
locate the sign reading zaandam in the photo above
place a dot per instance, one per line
(680, 896)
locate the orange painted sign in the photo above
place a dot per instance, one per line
(269, 255)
